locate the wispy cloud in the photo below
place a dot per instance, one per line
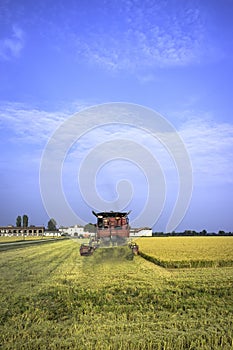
(120, 35)
(144, 35)
(12, 45)
(29, 125)
(208, 143)
(210, 147)
(33, 125)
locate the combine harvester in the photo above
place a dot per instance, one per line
(112, 229)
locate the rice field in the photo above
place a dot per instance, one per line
(6, 239)
(52, 298)
(178, 252)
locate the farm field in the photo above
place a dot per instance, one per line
(9, 243)
(52, 298)
(178, 252)
(9, 239)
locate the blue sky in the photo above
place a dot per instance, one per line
(60, 57)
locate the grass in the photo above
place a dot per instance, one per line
(51, 298)
(180, 252)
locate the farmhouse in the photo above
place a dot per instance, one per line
(74, 231)
(22, 231)
(52, 233)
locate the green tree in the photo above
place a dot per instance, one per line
(52, 225)
(18, 221)
(90, 228)
(25, 221)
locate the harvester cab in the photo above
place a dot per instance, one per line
(112, 228)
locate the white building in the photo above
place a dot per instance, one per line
(141, 232)
(52, 234)
(74, 231)
(22, 231)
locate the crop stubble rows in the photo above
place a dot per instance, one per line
(51, 298)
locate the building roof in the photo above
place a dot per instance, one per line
(111, 214)
(21, 227)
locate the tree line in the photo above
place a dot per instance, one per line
(192, 233)
(22, 221)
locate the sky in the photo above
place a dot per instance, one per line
(64, 68)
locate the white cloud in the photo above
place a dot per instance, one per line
(12, 45)
(144, 35)
(210, 147)
(208, 143)
(29, 125)
(33, 125)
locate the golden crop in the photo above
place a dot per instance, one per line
(52, 298)
(188, 251)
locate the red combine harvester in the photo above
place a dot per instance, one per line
(112, 227)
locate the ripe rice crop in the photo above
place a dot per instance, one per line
(52, 298)
(177, 252)
(6, 239)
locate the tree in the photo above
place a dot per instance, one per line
(18, 221)
(90, 228)
(25, 221)
(52, 225)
